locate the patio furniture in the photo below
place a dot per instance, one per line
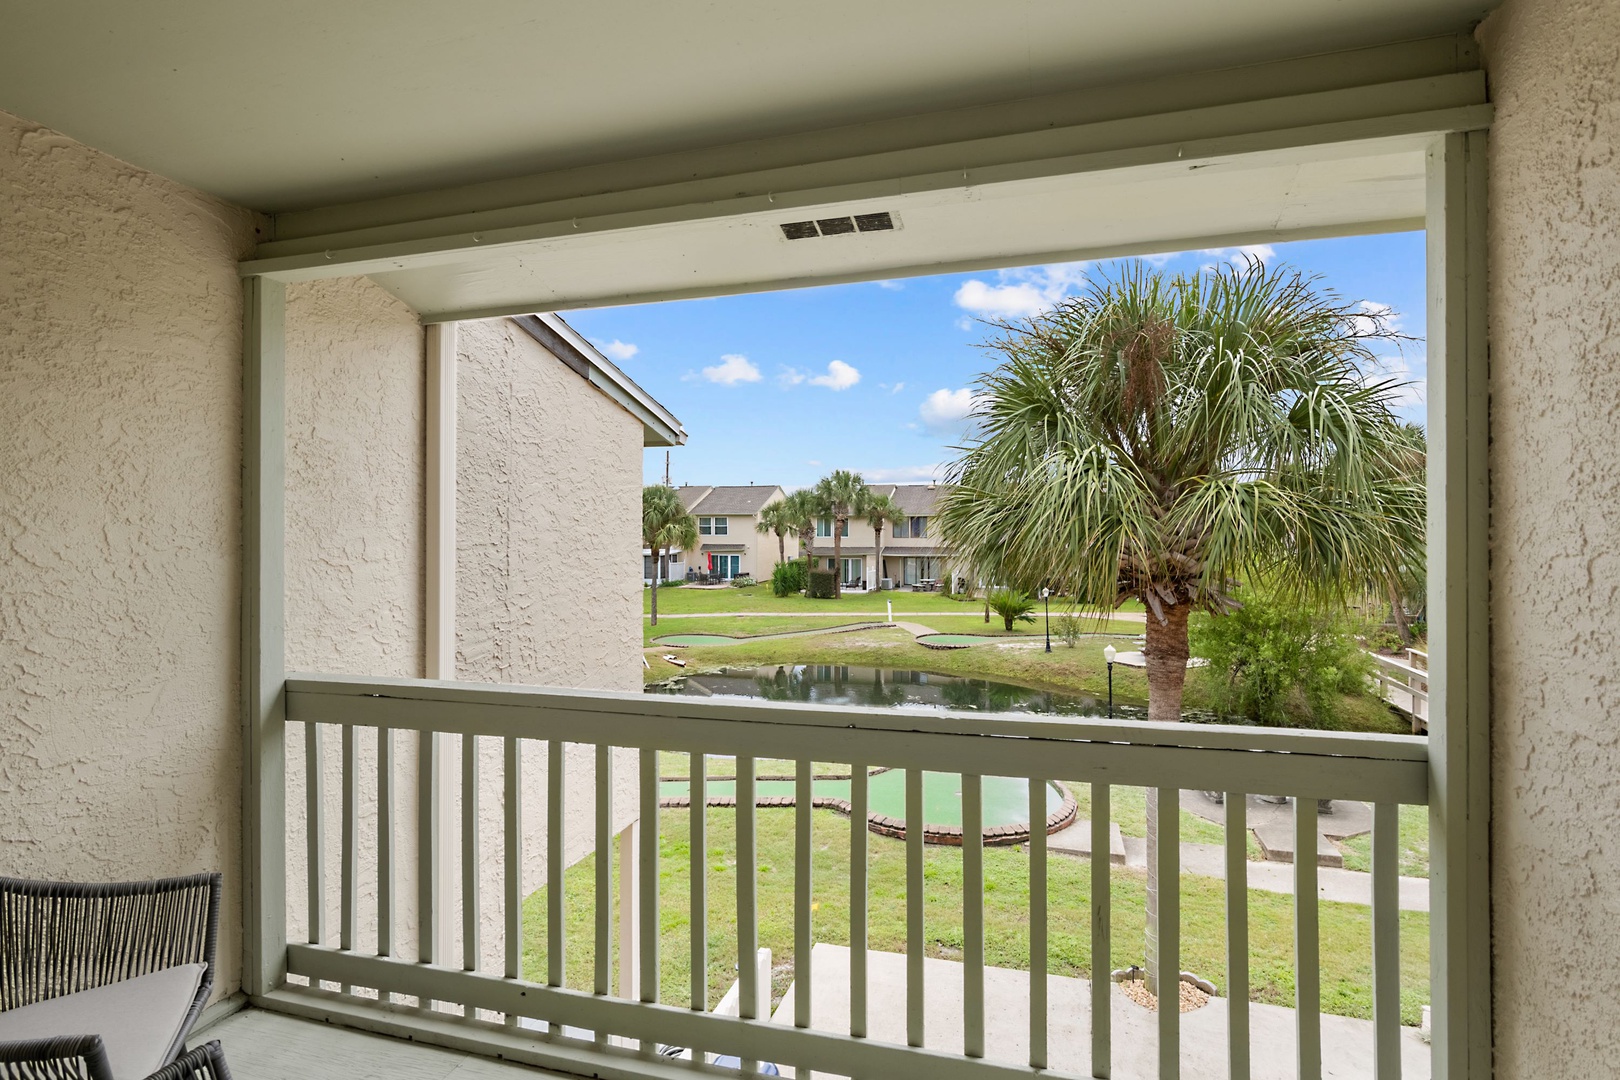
(83, 1057)
(104, 981)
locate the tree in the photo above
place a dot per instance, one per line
(1161, 438)
(880, 510)
(665, 524)
(778, 517)
(802, 508)
(1012, 605)
(841, 494)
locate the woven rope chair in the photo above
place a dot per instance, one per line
(82, 1057)
(58, 938)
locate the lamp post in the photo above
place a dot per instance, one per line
(1046, 598)
(1109, 652)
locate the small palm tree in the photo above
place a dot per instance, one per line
(1162, 438)
(880, 510)
(1012, 605)
(666, 524)
(841, 494)
(778, 517)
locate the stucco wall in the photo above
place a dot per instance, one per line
(120, 490)
(1554, 200)
(548, 515)
(355, 468)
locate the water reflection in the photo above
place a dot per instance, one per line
(838, 684)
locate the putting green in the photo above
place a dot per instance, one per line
(957, 639)
(695, 639)
(1006, 799)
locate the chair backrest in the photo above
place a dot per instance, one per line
(59, 938)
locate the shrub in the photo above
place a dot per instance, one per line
(1069, 626)
(788, 578)
(1012, 605)
(1279, 663)
(743, 582)
(821, 585)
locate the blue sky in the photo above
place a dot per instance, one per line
(783, 387)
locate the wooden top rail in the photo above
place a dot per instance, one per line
(1305, 763)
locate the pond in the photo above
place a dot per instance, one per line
(836, 684)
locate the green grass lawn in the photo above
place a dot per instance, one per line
(1413, 841)
(689, 601)
(1346, 951)
(746, 625)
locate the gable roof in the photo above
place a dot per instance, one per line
(739, 500)
(568, 345)
(917, 500)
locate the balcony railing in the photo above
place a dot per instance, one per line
(472, 1004)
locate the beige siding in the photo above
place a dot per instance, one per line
(1555, 400)
(120, 453)
(549, 492)
(355, 467)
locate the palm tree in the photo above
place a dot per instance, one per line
(841, 494)
(801, 509)
(665, 524)
(1160, 439)
(880, 510)
(778, 517)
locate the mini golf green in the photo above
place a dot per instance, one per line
(695, 639)
(957, 639)
(1006, 799)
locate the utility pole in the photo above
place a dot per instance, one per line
(666, 470)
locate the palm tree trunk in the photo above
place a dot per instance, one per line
(1166, 655)
(838, 559)
(656, 556)
(877, 536)
(781, 547)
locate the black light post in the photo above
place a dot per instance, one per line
(1109, 652)
(1046, 598)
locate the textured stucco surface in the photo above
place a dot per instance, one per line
(355, 604)
(548, 515)
(1554, 201)
(120, 490)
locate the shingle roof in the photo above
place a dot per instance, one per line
(918, 500)
(741, 500)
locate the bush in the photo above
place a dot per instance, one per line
(788, 578)
(1279, 663)
(821, 585)
(1012, 606)
(1069, 627)
(743, 582)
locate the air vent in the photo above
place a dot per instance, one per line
(880, 221)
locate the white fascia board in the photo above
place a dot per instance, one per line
(661, 426)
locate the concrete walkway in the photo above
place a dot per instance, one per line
(1343, 886)
(1347, 1044)
(1123, 616)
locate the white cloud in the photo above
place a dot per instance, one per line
(732, 369)
(813, 463)
(840, 376)
(1413, 385)
(946, 410)
(790, 377)
(619, 350)
(899, 386)
(1263, 252)
(906, 474)
(890, 284)
(1021, 293)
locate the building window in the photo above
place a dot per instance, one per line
(704, 526)
(900, 530)
(824, 528)
(720, 526)
(919, 527)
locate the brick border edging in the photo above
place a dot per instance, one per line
(777, 778)
(883, 825)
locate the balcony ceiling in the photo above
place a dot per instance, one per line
(302, 103)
